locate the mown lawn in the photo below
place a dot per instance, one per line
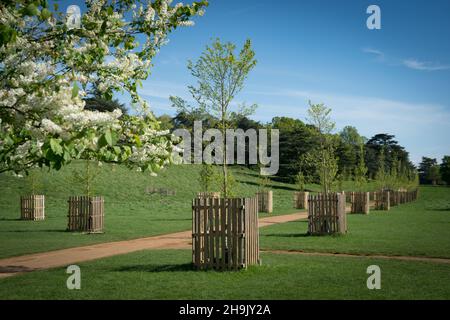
(419, 228)
(168, 274)
(129, 211)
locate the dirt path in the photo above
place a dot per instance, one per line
(64, 257)
(350, 255)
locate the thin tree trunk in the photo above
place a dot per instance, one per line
(224, 157)
(88, 178)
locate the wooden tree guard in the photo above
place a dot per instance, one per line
(401, 197)
(86, 214)
(326, 214)
(360, 202)
(265, 201)
(208, 194)
(225, 233)
(301, 200)
(32, 207)
(382, 200)
(395, 198)
(413, 195)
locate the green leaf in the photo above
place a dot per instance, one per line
(117, 150)
(45, 14)
(137, 140)
(30, 10)
(56, 147)
(108, 137)
(75, 90)
(8, 141)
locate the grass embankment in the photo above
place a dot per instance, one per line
(129, 211)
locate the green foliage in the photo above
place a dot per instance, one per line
(323, 158)
(296, 139)
(34, 182)
(392, 152)
(445, 169)
(165, 122)
(319, 117)
(361, 171)
(98, 103)
(110, 51)
(300, 181)
(339, 182)
(381, 176)
(207, 177)
(85, 178)
(264, 183)
(220, 75)
(434, 174)
(325, 164)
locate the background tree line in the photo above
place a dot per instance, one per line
(430, 172)
(298, 138)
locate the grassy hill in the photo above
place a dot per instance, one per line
(130, 212)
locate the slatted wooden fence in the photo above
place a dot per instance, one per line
(412, 195)
(265, 201)
(32, 207)
(301, 200)
(395, 198)
(225, 233)
(326, 214)
(86, 214)
(382, 200)
(360, 202)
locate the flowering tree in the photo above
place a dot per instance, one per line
(47, 67)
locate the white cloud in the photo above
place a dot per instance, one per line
(424, 66)
(409, 63)
(162, 89)
(421, 128)
(379, 54)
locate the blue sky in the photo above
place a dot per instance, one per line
(394, 80)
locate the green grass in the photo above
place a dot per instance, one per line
(167, 274)
(129, 211)
(419, 228)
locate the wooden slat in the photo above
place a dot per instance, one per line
(228, 228)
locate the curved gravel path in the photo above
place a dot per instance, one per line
(64, 257)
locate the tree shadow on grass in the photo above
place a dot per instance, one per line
(185, 219)
(45, 230)
(270, 185)
(14, 269)
(11, 219)
(440, 209)
(157, 268)
(286, 235)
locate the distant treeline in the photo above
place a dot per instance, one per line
(430, 172)
(298, 138)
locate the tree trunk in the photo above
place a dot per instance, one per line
(224, 157)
